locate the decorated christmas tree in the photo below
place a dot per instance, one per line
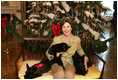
(44, 17)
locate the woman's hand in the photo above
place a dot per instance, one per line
(59, 54)
(85, 63)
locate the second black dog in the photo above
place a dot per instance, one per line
(78, 62)
(37, 69)
(57, 48)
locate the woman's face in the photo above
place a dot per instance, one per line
(66, 28)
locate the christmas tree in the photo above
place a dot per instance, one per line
(44, 16)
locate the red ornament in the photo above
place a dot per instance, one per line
(98, 10)
(3, 22)
(54, 30)
(28, 25)
(77, 8)
(92, 25)
(13, 14)
(87, 20)
(114, 19)
(38, 4)
(98, 29)
(43, 8)
(58, 27)
(39, 66)
(39, 31)
(55, 7)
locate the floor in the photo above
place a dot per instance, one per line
(8, 67)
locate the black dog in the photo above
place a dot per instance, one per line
(37, 69)
(45, 65)
(57, 48)
(78, 62)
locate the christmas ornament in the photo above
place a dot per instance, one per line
(55, 7)
(13, 14)
(56, 29)
(28, 25)
(66, 6)
(3, 22)
(77, 8)
(98, 29)
(114, 19)
(98, 10)
(45, 33)
(43, 8)
(38, 4)
(55, 2)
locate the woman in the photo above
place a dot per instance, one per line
(74, 42)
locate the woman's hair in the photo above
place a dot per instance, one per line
(65, 19)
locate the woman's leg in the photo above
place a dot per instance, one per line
(58, 72)
(69, 71)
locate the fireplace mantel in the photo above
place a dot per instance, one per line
(8, 9)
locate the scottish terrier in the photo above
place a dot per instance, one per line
(78, 62)
(37, 69)
(57, 48)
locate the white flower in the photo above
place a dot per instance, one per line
(45, 33)
(85, 26)
(58, 9)
(80, 1)
(103, 17)
(44, 3)
(33, 30)
(62, 11)
(34, 20)
(89, 14)
(31, 24)
(66, 6)
(33, 4)
(36, 32)
(77, 20)
(96, 34)
(48, 4)
(50, 15)
(88, 6)
(28, 11)
(97, 20)
(33, 15)
(43, 21)
(93, 24)
(25, 21)
(55, 2)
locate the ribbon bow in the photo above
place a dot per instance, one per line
(3, 22)
(55, 7)
(39, 66)
(98, 10)
(56, 29)
(77, 8)
(38, 4)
